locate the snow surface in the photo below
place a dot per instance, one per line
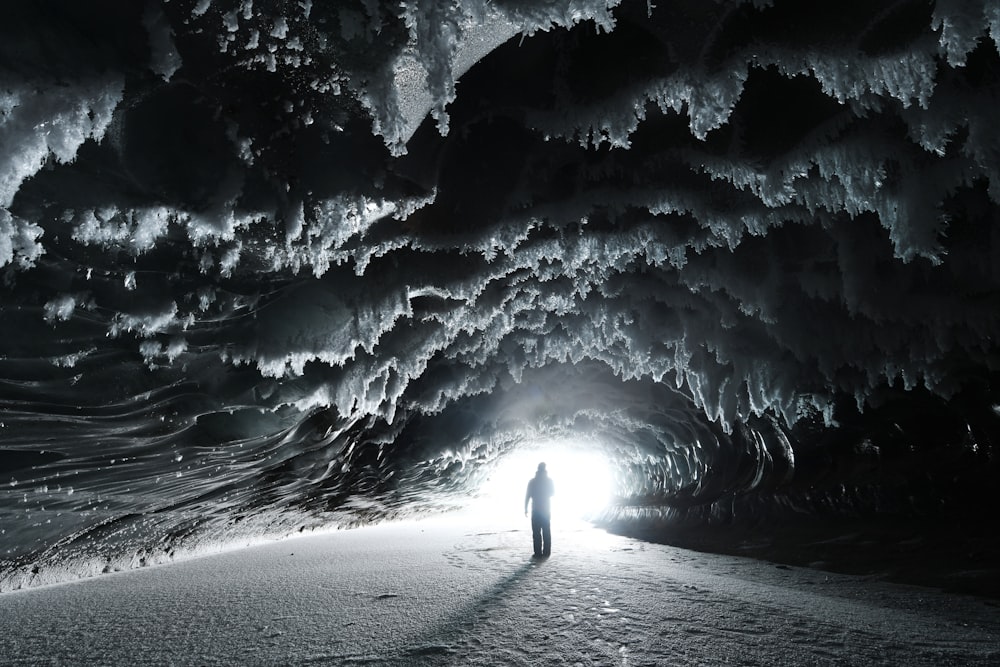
(454, 591)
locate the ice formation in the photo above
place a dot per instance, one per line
(269, 266)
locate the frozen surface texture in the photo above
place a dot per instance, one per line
(270, 266)
(446, 593)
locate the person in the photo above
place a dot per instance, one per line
(540, 491)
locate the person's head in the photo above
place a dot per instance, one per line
(541, 470)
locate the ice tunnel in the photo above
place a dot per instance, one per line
(275, 266)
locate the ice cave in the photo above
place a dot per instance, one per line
(274, 267)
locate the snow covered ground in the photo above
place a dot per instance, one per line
(448, 591)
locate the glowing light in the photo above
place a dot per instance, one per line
(582, 479)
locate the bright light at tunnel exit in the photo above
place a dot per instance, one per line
(582, 480)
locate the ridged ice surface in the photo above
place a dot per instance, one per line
(747, 250)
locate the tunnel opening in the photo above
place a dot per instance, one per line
(582, 473)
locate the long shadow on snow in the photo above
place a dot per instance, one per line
(439, 643)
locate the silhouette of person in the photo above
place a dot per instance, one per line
(540, 492)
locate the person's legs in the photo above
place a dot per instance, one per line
(546, 537)
(536, 533)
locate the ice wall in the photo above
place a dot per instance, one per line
(747, 248)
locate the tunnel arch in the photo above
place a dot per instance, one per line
(232, 306)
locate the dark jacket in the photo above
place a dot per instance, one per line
(540, 492)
